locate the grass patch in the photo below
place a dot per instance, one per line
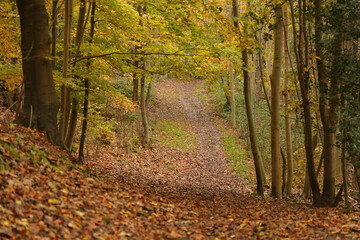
(236, 154)
(199, 93)
(174, 134)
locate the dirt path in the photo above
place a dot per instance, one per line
(209, 154)
(200, 175)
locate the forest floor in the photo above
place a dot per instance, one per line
(159, 192)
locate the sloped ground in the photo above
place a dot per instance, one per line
(160, 193)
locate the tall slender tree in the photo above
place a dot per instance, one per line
(81, 157)
(328, 110)
(275, 106)
(74, 106)
(144, 118)
(288, 142)
(65, 90)
(260, 176)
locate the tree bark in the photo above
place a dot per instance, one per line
(41, 103)
(232, 97)
(65, 91)
(328, 116)
(275, 107)
(288, 141)
(81, 157)
(148, 96)
(72, 125)
(74, 107)
(145, 139)
(305, 88)
(135, 97)
(54, 22)
(260, 176)
(345, 180)
(145, 123)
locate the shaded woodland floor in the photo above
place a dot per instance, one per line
(161, 192)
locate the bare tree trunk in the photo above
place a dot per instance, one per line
(74, 107)
(247, 92)
(288, 142)
(135, 97)
(307, 187)
(65, 91)
(145, 139)
(260, 176)
(232, 97)
(304, 87)
(225, 90)
(345, 180)
(41, 103)
(54, 29)
(275, 108)
(328, 116)
(72, 125)
(148, 96)
(262, 77)
(145, 124)
(81, 157)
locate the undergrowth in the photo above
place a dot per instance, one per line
(236, 154)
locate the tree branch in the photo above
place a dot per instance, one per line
(139, 53)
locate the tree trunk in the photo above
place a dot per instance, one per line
(81, 23)
(260, 176)
(72, 125)
(54, 29)
(305, 88)
(145, 139)
(226, 86)
(145, 124)
(288, 142)
(148, 95)
(345, 180)
(135, 97)
(307, 187)
(261, 69)
(41, 102)
(275, 107)
(65, 91)
(232, 97)
(328, 116)
(74, 107)
(81, 157)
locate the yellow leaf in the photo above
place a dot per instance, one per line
(65, 191)
(6, 223)
(75, 225)
(81, 214)
(53, 201)
(22, 221)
